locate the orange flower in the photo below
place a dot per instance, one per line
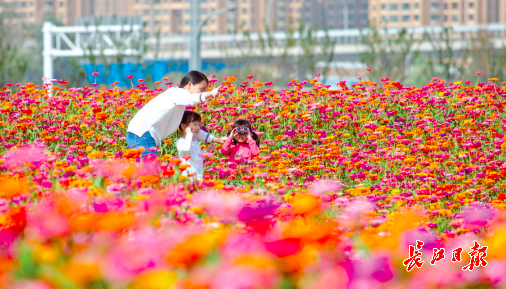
(305, 204)
(195, 247)
(10, 188)
(83, 222)
(184, 167)
(81, 272)
(101, 116)
(149, 180)
(114, 221)
(132, 153)
(95, 155)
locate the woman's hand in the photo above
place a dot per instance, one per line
(220, 140)
(213, 93)
(211, 148)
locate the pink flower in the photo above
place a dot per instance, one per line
(217, 205)
(132, 257)
(25, 156)
(357, 207)
(206, 155)
(95, 73)
(325, 187)
(478, 72)
(107, 204)
(477, 214)
(45, 222)
(130, 76)
(249, 77)
(332, 277)
(25, 284)
(245, 276)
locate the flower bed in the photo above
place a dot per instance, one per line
(353, 187)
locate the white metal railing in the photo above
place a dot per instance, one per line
(78, 41)
(353, 34)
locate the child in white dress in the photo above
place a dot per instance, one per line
(188, 145)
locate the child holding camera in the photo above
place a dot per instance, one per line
(242, 144)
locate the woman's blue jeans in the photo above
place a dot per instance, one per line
(146, 141)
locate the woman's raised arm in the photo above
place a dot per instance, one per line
(181, 97)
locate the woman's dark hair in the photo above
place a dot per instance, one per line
(244, 123)
(194, 77)
(188, 117)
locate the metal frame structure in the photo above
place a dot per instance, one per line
(78, 41)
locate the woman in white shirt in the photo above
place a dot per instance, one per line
(188, 145)
(161, 117)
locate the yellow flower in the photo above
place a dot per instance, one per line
(96, 192)
(95, 155)
(155, 280)
(197, 210)
(45, 254)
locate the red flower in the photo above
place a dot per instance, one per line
(283, 248)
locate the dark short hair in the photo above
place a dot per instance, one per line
(188, 117)
(194, 77)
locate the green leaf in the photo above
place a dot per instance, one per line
(54, 275)
(286, 284)
(28, 269)
(99, 182)
(213, 257)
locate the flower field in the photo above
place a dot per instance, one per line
(371, 185)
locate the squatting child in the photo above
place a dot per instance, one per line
(188, 145)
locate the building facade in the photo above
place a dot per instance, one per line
(337, 14)
(36, 11)
(403, 13)
(172, 17)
